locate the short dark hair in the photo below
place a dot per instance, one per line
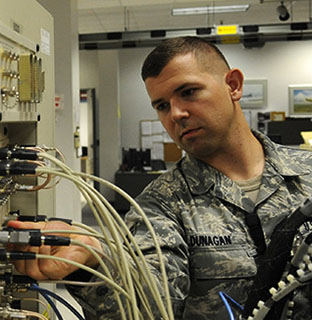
(170, 48)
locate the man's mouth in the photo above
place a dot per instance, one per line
(189, 133)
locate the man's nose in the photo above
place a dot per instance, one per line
(179, 111)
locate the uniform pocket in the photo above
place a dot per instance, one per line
(224, 262)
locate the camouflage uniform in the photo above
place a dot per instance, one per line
(198, 214)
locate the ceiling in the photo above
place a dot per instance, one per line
(133, 18)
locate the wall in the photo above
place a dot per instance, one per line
(100, 70)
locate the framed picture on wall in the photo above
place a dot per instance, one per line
(255, 93)
(300, 100)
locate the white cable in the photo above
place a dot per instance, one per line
(88, 269)
(149, 226)
(151, 281)
(84, 233)
(114, 224)
(84, 226)
(123, 265)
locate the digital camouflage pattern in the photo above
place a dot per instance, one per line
(198, 214)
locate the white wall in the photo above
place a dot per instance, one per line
(134, 101)
(100, 70)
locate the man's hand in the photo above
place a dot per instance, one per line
(43, 269)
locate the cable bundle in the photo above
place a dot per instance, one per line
(124, 268)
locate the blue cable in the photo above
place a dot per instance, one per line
(60, 299)
(48, 299)
(232, 300)
(225, 299)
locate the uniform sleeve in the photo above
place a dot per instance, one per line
(99, 303)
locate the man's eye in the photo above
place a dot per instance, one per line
(188, 92)
(162, 106)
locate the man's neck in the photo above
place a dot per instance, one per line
(241, 159)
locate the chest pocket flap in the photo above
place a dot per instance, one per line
(224, 262)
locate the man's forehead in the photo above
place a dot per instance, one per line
(178, 66)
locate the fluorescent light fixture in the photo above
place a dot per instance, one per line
(211, 9)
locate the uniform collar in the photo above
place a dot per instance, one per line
(280, 157)
(201, 177)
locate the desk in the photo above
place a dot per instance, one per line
(133, 183)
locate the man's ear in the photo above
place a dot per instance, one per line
(234, 79)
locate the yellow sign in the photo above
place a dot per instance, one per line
(227, 29)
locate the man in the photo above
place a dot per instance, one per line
(200, 208)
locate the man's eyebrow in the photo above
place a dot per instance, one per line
(155, 102)
(181, 87)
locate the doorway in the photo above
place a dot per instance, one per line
(89, 134)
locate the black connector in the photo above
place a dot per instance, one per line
(16, 255)
(37, 218)
(17, 168)
(56, 241)
(36, 239)
(7, 153)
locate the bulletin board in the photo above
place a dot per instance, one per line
(153, 136)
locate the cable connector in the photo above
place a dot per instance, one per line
(20, 153)
(56, 241)
(17, 168)
(32, 237)
(16, 255)
(37, 218)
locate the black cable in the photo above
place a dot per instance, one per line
(58, 298)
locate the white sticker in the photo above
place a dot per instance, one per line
(45, 42)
